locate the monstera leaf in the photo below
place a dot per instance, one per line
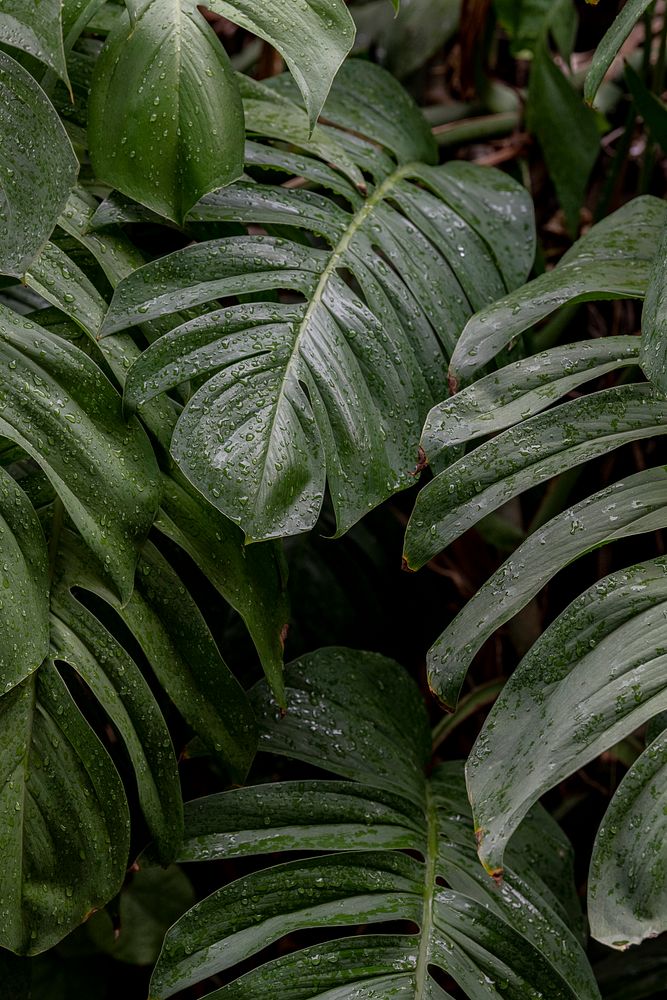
(63, 812)
(329, 383)
(400, 848)
(597, 672)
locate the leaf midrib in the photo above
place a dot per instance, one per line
(422, 973)
(356, 222)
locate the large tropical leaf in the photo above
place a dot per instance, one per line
(250, 580)
(358, 715)
(62, 797)
(330, 385)
(59, 407)
(613, 260)
(165, 115)
(37, 165)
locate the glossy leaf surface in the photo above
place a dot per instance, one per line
(292, 396)
(593, 677)
(360, 716)
(608, 48)
(313, 36)
(613, 260)
(636, 505)
(37, 165)
(165, 115)
(59, 407)
(520, 390)
(654, 320)
(627, 891)
(64, 825)
(35, 26)
(525, 455)
(24, 608)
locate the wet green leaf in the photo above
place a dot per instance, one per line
(37, 164)
(360, 716)
(636, 505)
(654, 320)
(613, 260)
(165, 115)
(251, 579)
(627, 888)
(518, 391)
(611, 43)
(313, 36)
(35, 26)
(525, 455)
(290, 397)
(64, 825)
(593, 677)
(58, 406)
(24, 609)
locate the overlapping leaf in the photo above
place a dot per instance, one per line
(330, 385)
(62, 798)
(35, 26)
(59, 407)
(627, 889)
(613, 260)
(165, 115)
(37, 166)
(360, 716)
(251, 580)
(313, 36)
(595, 675)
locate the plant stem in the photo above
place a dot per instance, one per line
(473, 129)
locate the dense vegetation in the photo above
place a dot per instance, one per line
(298, 296)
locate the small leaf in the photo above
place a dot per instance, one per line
(35, 26)
(555, 110)
(608, 48)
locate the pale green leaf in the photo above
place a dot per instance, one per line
(632, 507)
(613, 260)
(594, 676)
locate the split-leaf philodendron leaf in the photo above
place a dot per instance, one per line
(271, 422)
(400, 848)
